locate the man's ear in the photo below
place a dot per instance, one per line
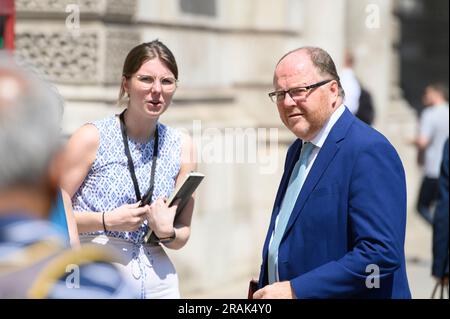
(334, 87)
(55, 171)
(334, 93)
(49, 185)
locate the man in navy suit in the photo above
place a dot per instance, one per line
(338, 223)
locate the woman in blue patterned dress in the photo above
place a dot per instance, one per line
(109, 166)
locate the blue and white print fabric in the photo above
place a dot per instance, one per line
(108, 184)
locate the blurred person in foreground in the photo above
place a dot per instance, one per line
(441, 225)
(34, 259)
(433, 131)
(63, 219)
(338, 223)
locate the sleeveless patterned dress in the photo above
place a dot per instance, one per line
(108, 184)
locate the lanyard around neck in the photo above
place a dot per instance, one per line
(147, 197)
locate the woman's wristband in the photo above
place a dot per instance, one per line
(103, 222)
(170, 239)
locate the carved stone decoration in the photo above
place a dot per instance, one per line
(111, 9)
(58, 6)
(63, 58)
(118, 43)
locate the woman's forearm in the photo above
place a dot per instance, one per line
(89, 221)
(182, 236)
(82, 222)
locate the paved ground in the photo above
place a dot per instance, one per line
(418, 256)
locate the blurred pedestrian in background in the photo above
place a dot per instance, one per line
(441, 227)
(350, 83)
(433, 131)
(357, 98)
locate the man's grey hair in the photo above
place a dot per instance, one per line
(322, 60)
(30, 131)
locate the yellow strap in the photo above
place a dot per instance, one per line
(32, 254)
(57, 267)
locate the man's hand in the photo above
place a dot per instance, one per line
(278, 290)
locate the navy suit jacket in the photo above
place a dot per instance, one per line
(441, 221)
(348, 223)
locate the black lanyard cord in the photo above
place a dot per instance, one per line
(148, 196)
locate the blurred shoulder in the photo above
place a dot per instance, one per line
(36, 262)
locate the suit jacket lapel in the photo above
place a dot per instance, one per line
(285, 180)
(323, 159)
(296, 148)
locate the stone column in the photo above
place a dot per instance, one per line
(370, 38)
(325, 26)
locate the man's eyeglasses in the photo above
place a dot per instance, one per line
(168, 84)
(295, 93)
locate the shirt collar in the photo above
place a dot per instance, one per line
(320, 138)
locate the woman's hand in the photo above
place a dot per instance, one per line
(128, 217)
(161, 217)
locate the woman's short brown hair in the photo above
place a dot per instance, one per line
(143, 53)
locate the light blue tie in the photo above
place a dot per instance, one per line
(296, 181)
